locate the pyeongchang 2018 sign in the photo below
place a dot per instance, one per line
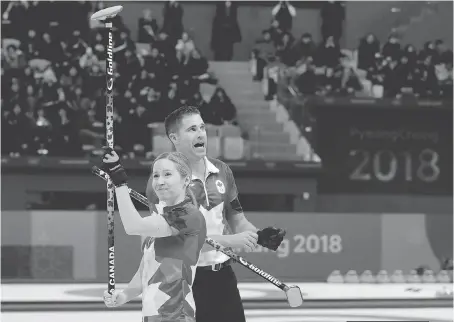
(315, 245)
(377, 146)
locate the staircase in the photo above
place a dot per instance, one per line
(267, 138)
(382, 18)
(434, 21)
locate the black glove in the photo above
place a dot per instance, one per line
(270, 237)
(112, 166)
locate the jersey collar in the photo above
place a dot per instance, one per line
(210, 168)
(186, 200)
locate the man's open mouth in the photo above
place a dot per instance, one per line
(199, 145)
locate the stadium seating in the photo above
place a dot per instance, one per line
(232, 143)
(161, 142)
(76, 65)
(214, 141)
(304, 69)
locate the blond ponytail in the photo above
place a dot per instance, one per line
(191, 195)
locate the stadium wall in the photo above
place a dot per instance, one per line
(71, 246)
(377, 17)
(198, 19)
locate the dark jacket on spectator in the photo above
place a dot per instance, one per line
(265, 49)
(220, 109)
(306, 81)
(158, 67)
(196, 66)
(427, 51)
(303, 49)
(392, 49)
(30, 47)
(173, 20)
(166, 47)
(392, 83)
(366, 52)
(225, 31)
(444, 57)
(276, 34)
(403, 72)
(171, 99)
(64, 136)
(143, 35)
(177, 64)
(16, 129)
(284, 17)
(136, 126)
(411, 54)
(333, 15)
(328, 55)
(425, 79)
(284, 49)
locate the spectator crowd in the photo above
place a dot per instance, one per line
(53, 78)
(53, 71)
(323, 68)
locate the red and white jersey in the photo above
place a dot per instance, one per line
(168, 266)
(214, 195)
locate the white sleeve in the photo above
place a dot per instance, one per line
(276, 9)
(153, 226)
(134, 287)
(291, 9)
